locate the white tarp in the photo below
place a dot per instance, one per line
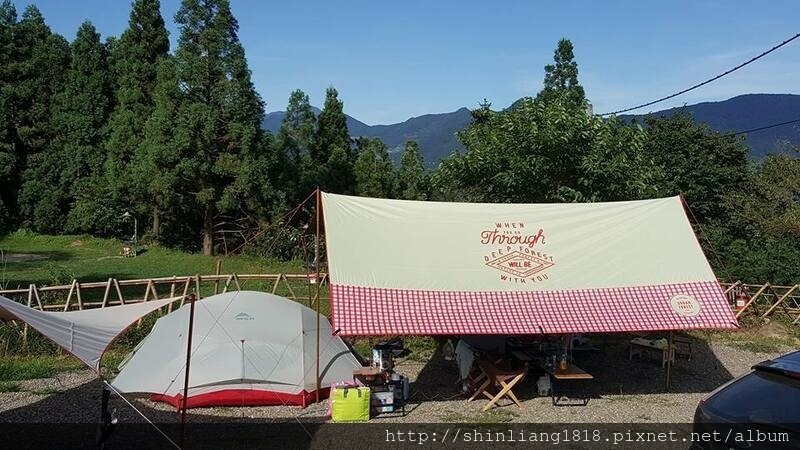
(411, 267)
(87, 333)
(242, 340)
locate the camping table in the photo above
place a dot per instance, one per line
(640, 345)
(573, 374)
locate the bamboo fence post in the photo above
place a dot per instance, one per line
(152, 286)
(227, 283)
(78, 294)
(119, 292)
(275, 286)
(293, 296)
(236, 280)
(69, 295)
(197, 286)
(185, 290)
(780, 301)
(36, 295)
(752, 300)
(217, 271)
(105, 295)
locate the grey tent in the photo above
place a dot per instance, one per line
(248, 348)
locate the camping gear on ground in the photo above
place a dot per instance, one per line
(382, 401)
(383, 353)
(249, 348)
(388, 384)
(351, 404)
(543, 385)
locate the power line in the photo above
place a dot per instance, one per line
(765, 127)
(729, 71)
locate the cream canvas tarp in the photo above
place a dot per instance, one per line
(407, 267)
(87, 333)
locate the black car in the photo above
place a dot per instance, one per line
(760, 409)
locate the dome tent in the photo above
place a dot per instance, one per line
(248, 348)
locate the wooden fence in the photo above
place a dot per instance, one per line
(764, 300)
(80, 295)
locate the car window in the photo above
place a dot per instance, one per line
(760, 397)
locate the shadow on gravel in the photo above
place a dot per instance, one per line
(613, 372)
(68, 420)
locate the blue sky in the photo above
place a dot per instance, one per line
(394, 60)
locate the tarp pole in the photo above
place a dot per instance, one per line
(185, 399)
(669, 360)
(316, 266)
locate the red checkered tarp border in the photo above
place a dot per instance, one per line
(365, 311)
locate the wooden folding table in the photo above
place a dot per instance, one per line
(572, 374)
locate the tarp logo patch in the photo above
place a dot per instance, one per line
(243, 316)
(685, 305)
(513, 252)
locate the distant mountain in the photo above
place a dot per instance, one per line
(747, 112)
(436, 133)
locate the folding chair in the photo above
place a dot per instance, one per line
(503, 381)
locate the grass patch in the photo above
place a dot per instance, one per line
(495, 415)
(10, 386)
(17, 368)
(58, 259)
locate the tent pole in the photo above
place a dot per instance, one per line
(669, 360)
(316, 267)
(185, 399)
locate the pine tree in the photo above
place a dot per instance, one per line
(332, 155)
(8, 149)
(294, 141)
(374, 172)
(40, 63)
(156, 165)
(135, 59)
(331, 128)
(220, 112)
(411, 179)
(561, 78)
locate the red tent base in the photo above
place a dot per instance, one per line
(242, 397)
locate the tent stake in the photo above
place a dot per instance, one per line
(316, 267)
(185, 399)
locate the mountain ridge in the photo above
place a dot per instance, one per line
(436, 133)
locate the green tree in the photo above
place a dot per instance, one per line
(34, 70)
(8, 149)
(158, 167)
(702, 164)
(561, 78)
(332, 155)
(374, 171)
(770, 199)
(548, 152)
(66, 171)
(220, 112)
(135, 59)
(295, 140)
(412, 183)
(82, 111)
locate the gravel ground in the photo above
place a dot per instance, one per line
(622, 391)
